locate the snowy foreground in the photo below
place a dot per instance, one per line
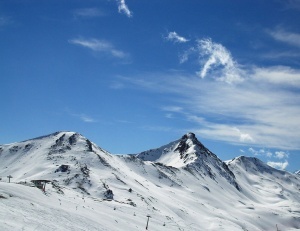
(181, 186)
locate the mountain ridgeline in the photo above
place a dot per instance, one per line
(176, 183)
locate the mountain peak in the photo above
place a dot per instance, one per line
(177, 154)
(189, 135)
(188, 143)
(189, 153)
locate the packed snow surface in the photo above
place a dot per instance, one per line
(181, 186)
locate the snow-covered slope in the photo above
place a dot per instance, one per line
(182, 186)
(264, 179)
(268, 189)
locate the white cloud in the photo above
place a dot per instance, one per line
(174, 37)
(184, 57)
(244, 137)
(172, 108)
(281, 75)
(260, 152)
(252, 150)
(281, 155)
(169, 115)
(218, 56)
(123, 8)
(99, 46)
(256, 112)
(215, 61)
(117, 85)
(278, 165)
(86, 118)
(81, 116)
(195, 118)
(281, 55)
(88, 12)
(261, 110)
(286, 37)
(269, 154)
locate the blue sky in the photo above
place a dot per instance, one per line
(133, 75)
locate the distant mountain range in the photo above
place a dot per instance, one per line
(181, 185)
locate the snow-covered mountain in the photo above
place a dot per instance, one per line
(182, 186)
(189, 153)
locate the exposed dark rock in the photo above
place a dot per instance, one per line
(28, 147)
(89, 145)
(63, 168)
(84, 169)
(14, 149)
(108, 194)
(73, 139)
(60, 140)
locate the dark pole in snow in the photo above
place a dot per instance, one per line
(147, 222)
(9, 178)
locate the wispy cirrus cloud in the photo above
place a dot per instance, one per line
(86, 118)
(172, 108)
(255, 112)
(260, 106)
(174, 37)
(214, 58)
(215, 61)
(123, 8)
(218, 56)
(101, 46)
(117, 85)
(273, 55)
(88, 13)
(279, 75)
(83, 117)
(285, 37)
